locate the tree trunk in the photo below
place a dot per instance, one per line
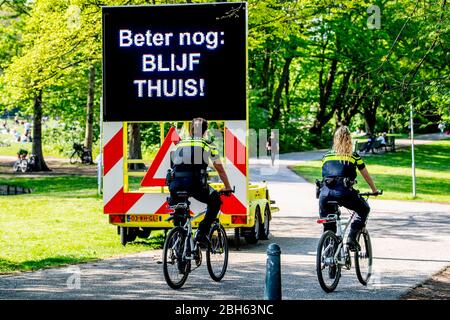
(340, 100)
(370, 115)
(36, 148)
(90, 109)
(265, 78)
(276, 110)
(134, 146)
(353, 109)
(322, 117)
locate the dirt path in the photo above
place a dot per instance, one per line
(58, 166)
(437, 287)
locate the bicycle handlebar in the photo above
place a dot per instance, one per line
(227, 192)
(367, 194)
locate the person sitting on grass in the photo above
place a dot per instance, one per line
(382, 139)
(369, 144)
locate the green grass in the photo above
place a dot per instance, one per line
(60, 223)
(392, 172)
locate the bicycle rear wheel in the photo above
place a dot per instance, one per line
(363, 258)
(74, 158)
(16, 166)
(23, 165)
(175, 267)
(217, 253)
(328, 271)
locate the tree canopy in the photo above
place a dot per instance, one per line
(312, 64)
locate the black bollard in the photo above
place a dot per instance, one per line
(273, 273)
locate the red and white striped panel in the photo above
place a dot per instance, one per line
(236, 167)
(113, 167)
(114, 198)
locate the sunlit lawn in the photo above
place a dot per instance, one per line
(392, 172)
(61, 222)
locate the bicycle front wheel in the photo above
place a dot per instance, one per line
(363, 258)
(217, 253)
(74, 158)
(23, 166)
(328, 271)
(16, 167)
(176, 267)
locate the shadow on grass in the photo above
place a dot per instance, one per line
(154, 242)
(54, 184)
(7, 266)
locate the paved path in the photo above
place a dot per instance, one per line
(410, 241)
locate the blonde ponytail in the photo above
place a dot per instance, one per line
(342, 142)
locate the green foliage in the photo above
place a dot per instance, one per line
(316, 63)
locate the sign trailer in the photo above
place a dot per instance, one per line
(169, 64)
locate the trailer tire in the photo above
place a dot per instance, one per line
(265, 227)
(123, 236)
(254, 234)
(127, 235)
(144, 233)
(132, 234)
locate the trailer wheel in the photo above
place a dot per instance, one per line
(132, 234)
(127, 235)
(144, 233)
(253, 235)
(266, 225)
(123, 236)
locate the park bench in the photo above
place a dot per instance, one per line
(359, 146)
(390, 143)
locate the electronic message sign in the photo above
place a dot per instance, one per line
(175, 62)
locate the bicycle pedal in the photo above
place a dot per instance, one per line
(198, 258)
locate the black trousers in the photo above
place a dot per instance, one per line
(205, 195)
(346, 197)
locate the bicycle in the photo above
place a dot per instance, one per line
(180, 249)
(24, 164)
(333, 253)
(82, 153)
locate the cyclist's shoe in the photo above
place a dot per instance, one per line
(181, 266)
(353, 245)
(332, 271)
(198, 257)
(201, 238)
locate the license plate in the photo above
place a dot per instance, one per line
(142, 218)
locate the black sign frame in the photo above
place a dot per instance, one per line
(205, 44)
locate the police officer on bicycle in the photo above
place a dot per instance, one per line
(190, 161)
(339, 174)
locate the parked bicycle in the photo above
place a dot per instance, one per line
(180, 249)
(81, 153)
(24, 163)
(333, 253)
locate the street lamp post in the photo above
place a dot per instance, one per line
(100, 158)
(413, 162)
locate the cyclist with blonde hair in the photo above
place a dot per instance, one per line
(339, 175)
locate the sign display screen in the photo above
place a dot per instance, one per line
(175, 62)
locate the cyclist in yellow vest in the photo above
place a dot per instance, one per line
(339, 174)
(190, 161)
